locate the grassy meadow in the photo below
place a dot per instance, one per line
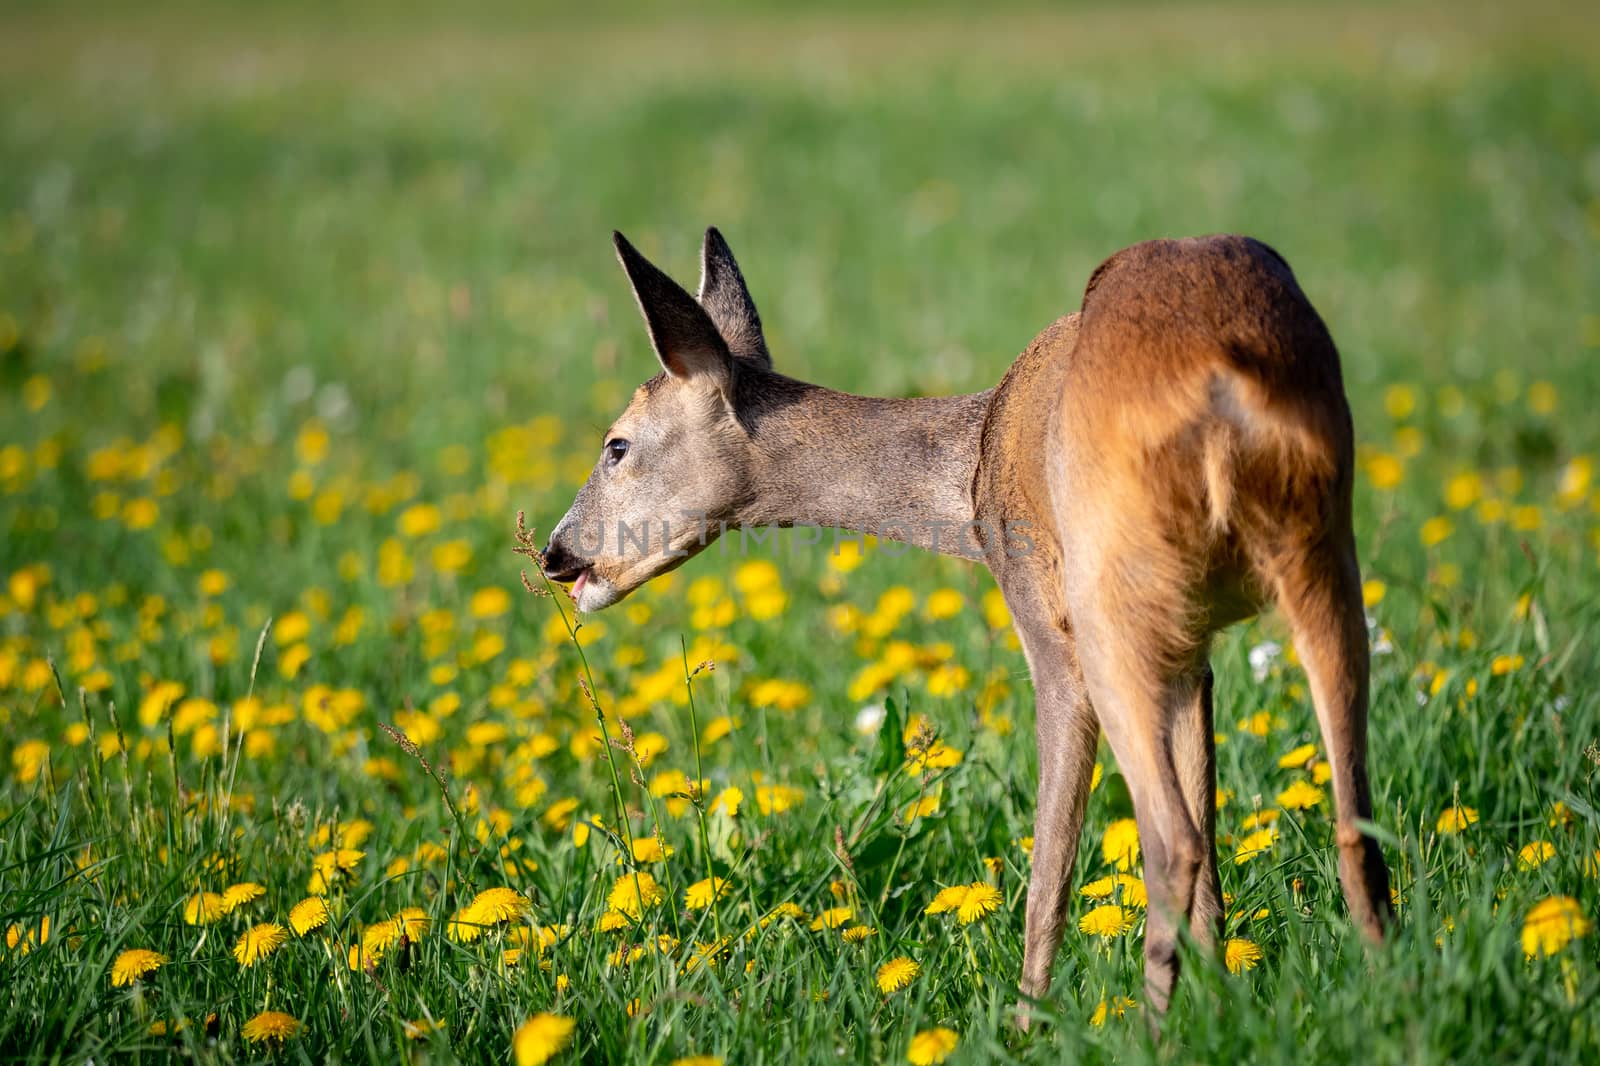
(300, 307)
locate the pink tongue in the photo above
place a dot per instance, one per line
(577, 586)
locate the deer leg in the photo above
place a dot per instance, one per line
(1195, 755)
(1320, 592)
(1068, 734)
(1138, 701)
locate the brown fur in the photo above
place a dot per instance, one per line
(1180, 455)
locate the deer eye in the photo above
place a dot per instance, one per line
(616, 448)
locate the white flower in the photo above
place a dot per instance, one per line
(868, 719)
(1262, 656)
(299, 384)
(333, 402)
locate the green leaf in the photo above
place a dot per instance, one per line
(891, 740)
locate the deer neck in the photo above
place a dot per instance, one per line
(898, 469)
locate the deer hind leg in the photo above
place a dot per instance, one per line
(1068, 734)
(1319, 590)
(1195, 757)
(1140, 698)
(1066, 767)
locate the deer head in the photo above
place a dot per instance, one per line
(676, 465)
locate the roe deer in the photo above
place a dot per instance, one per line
(1180, 453)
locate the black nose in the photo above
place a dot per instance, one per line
(559, 563)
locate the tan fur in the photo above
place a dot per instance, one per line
(1179, 453)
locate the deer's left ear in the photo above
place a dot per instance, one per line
(685, 339)
(726, 299)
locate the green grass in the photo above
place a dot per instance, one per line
(253, 265)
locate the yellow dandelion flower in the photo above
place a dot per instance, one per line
(464, 926)
(948, 899)
(360, 959)
(29, 937)
(1535, 855)
(1400, 401)
(650, 849)
(379, 937)
(1436, 531)
(1385, 471)
(936, 756)
(776, 799)
(728, 801)
(1299, 757)
(785, 909)
(1106, 921)
(1455, 819)
(140, 513)
(1552, 924)
(896, 974)
(1463, 490)
(715, 730)
(633, 892)
(943, 603)
(310, 913)
(1253, 844)
(259, 941)
(1260, 819)
(756, 575)
(269, 1025)
(858, 934)
(421, 1029)
(203, 908)
(701, 894)
(329, 866)
(1116, 1007)
(709, 954)
(1505, 664)
(538, 1039)
(131, 965)
(832, 918)
(1261, 723)
(979, 901)
(419, 519)
(932, 1046)
(559, 814)
(495, 905)
(921, 808)
(1120, 845)
(994, 609)
(236, 896)
(1241, 954)
(490, 602)
(1300, 796)
(1133, 890)
(414, 922)
(698, 1060)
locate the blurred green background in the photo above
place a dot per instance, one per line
(396, 218)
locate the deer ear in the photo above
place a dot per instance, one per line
(726, 299)
(684, 337)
